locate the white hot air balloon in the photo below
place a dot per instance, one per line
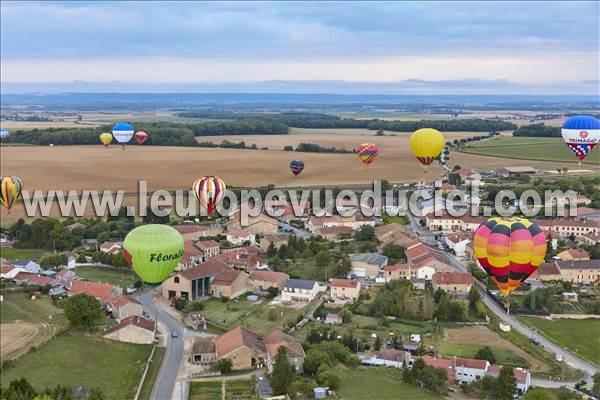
(122, 132)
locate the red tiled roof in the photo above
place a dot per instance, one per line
(578, 253)
(583, 211)
(349, 283)
(226, 276)
(471, 363)
(108, 245)
(5, 269)
(102, 291)
(119, 301)
(441, 363)
(457, 237)
(268, 276)
(135, 320)
(236, 338)
(210, 267)
(452, 278)
(275, 339)
(547, 269)
(36, 279)
(185, 229)
(391, 355)
(206, 244)
(396, 267)
(331, 230)
(241, 233)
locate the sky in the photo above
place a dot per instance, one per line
(420, 47)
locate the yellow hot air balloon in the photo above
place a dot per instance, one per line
(106, 138)
(427, 145)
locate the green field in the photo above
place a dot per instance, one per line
(43, 308)
(115, 367)
(8, 313)
(240, 390)
(118, 277)
(378, 383)
(243, 312)
(503, 356)
(153, 369)
(581, 336)
(21, 254)
(211, 390)
(527, 148)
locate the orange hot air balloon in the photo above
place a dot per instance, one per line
(367, 153)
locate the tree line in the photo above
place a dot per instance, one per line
(537, 130)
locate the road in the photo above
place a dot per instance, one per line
(301, 233)
(571, 359)
(167, 376)
(424, 234)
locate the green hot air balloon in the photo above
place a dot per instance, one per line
(153, 251)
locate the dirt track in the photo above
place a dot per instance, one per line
(482, 335)
(17, 338)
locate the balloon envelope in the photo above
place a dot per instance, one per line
(209, 190)
(426, 145)
(10, 190)
(141, 137)
(153, 251)
(122, 132)
(581, 133)
(3, 134)
(297, 166)
(106, 138)
(367, 153)
(509, 249)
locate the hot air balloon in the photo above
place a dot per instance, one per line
(367, 153)
(297, 166)
(209, 191)
(122, 132)
(141, 137)
(581, 133)
(427, 145)
(10, 190)
(153, 251)
(106, 138)
(3, 134)
(509, 249)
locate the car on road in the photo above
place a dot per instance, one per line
(174, 334)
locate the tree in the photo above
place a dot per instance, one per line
(224, 365)
(326, 377)
(485, 353)
(473, 299)
(19, 389)
(507, 384)
(271, 250)
(366, 233)
(323, 258)
(288, 148)
(180, 303)
(83, 311)
(96, 394)
(283, 372)
(314, 359)
(273, 291)
(346, 316)
(394, 252)
(596, 386)
(272, 314)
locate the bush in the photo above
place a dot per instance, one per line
(224, 365)
(180, 303)
(195, 306)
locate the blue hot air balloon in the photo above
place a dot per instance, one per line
(296, 166)
(581, 133)
(122, 132)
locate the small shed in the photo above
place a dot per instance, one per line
(320, 392)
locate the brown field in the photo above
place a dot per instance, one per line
(482, 335)
(96, 167)
(18, 338)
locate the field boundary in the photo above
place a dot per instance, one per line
(523, 158)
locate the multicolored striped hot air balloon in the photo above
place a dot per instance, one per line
(10, 190)
(581, 133)
(427, 145)
(297, 166)
(509, 249)
(367, 153)
(209, 190)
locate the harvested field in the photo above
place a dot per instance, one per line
(481, 335)
(17, 338)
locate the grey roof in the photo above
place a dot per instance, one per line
(370, 258)
(21, 263)
(587, 264)
(300, 284)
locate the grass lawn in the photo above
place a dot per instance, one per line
(581, 336)
(551, 394)
(113, 366)
(43, 308)
(211, 390)
(378, 383)
(21, 254)
(240, 390)
(157, 359)
(526, 148)
(253, 316)
(503, 356)
(118, 277)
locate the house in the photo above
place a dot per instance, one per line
(355, 222)
(203, 350)
(333, 319)
(299, 290)
(398, 271)
(367, 265)
(393, 358)
(133, 329)
(581, 272)
(198, 282)
(449, 223)
(454, 283)
(573, 255)
(64, 277)
(457, 241)
(27, 266)
(468, 370)
(512, 171)
(589, 238)
(345, 289)
(238, 237)
(261, 281)
(394, 233)
(122, 307)
(110, 247)
(189, 231)
(101, 291)
(192, 256)
(276, 339)
(585, 214)
(261, 224)
(335, 232)
(546, 272)
(522, 376)
(9, 271)
(32, 279)
(419, 284)
(246, 258)
(71, 260)
(276, 240)
(76, 227)
(208, 249)
(243, 347)
(443, 364)
(565, 228)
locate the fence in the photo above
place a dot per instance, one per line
(143, 378)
